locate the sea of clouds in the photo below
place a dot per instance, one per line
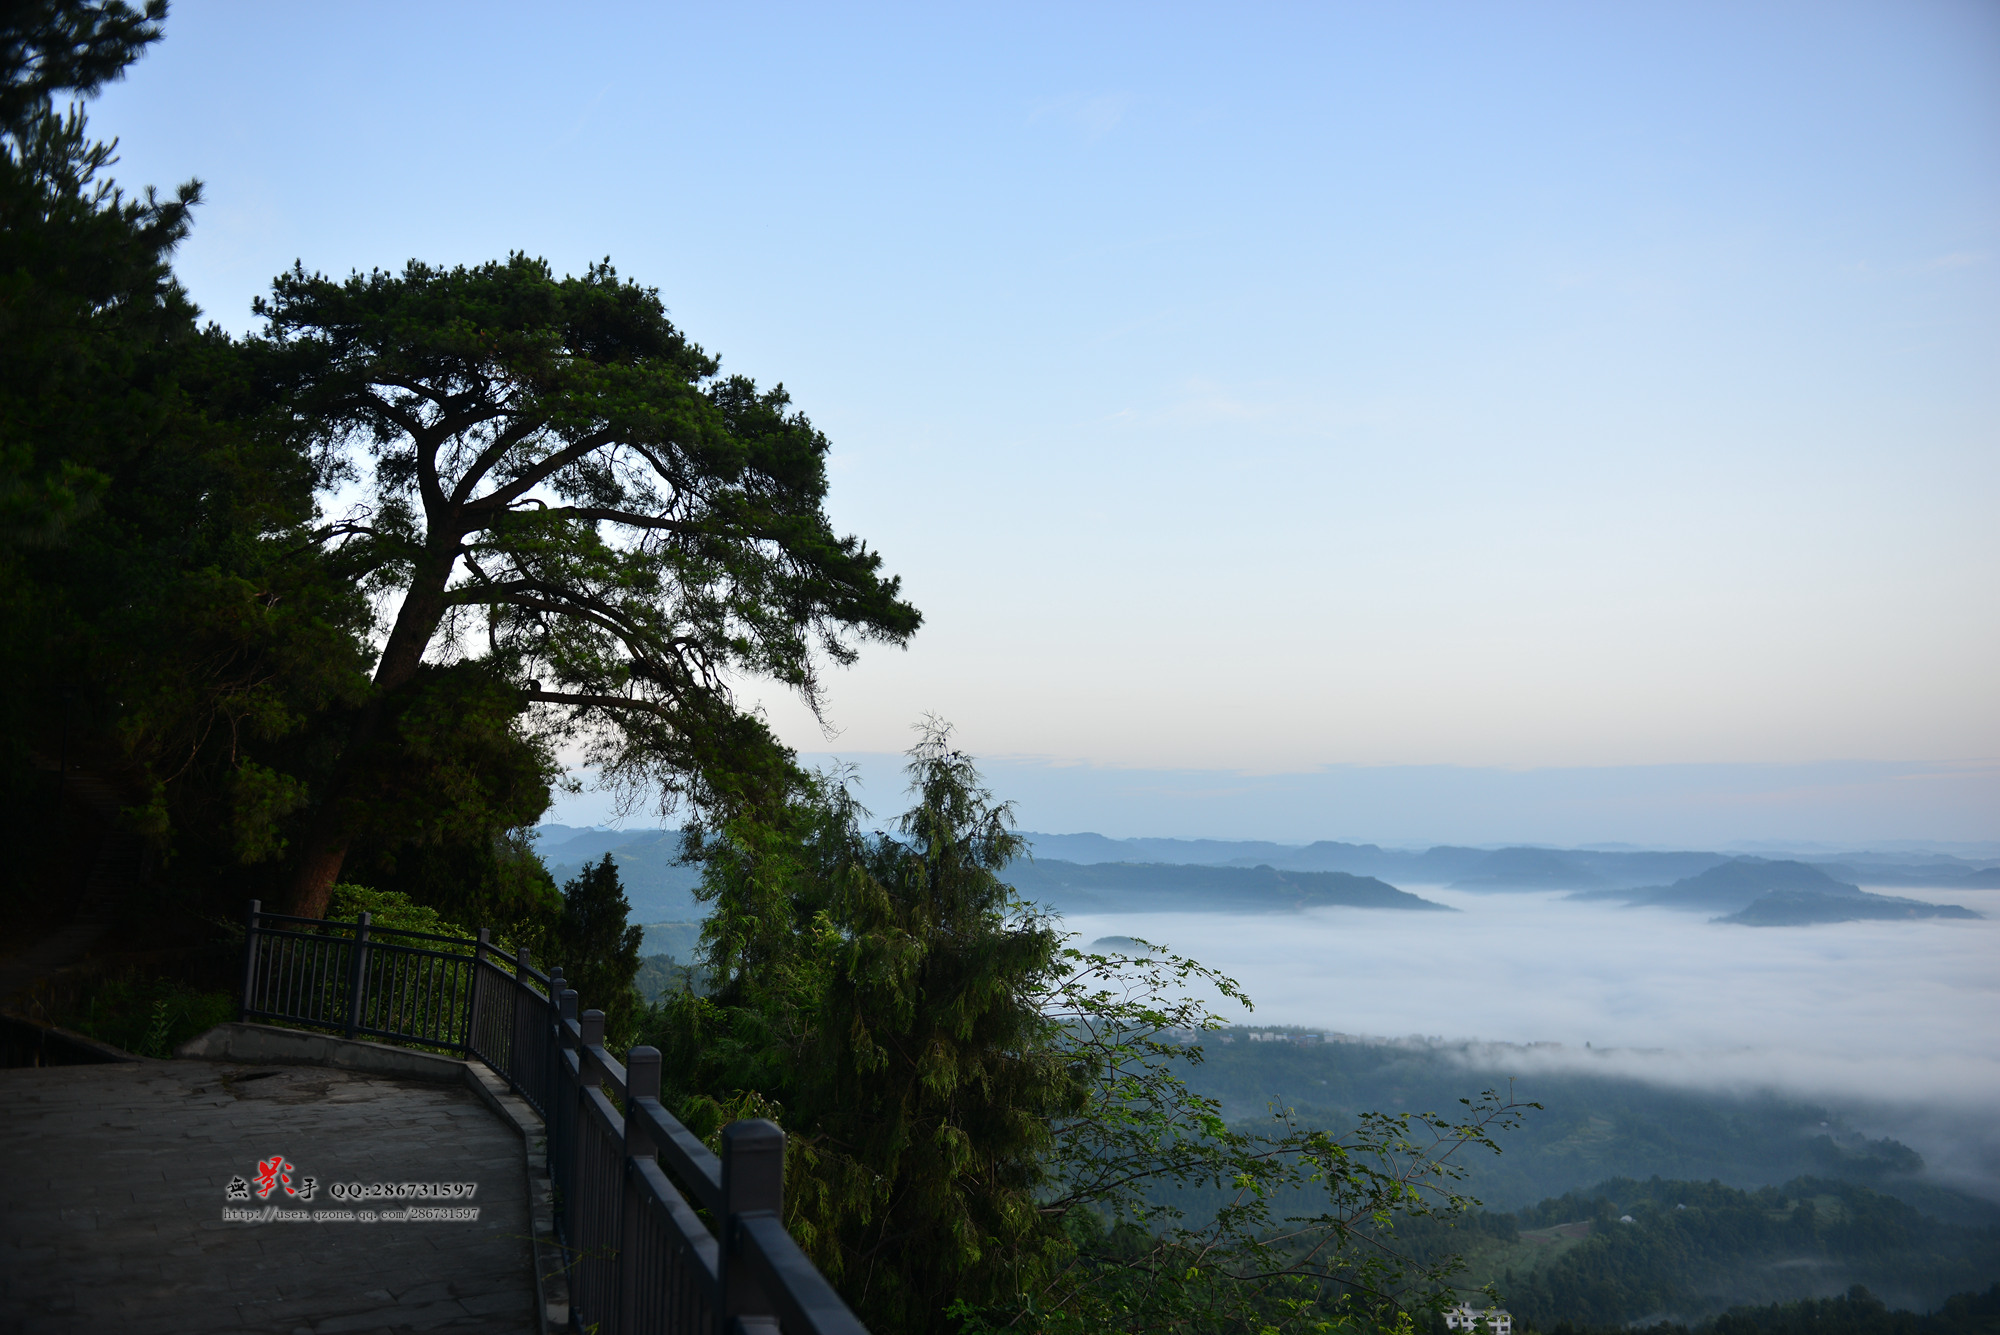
(1895, 1023)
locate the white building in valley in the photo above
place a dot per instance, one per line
(1493, 1321)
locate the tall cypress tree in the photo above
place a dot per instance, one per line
(598, 948)
(878, 994)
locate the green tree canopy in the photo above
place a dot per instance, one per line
(880, 996)
(163, 617)
(598, 948)
(567, 489)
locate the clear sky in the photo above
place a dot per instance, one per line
(1256, 388)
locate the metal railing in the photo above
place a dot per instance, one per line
(363, 980)
(661, 1235)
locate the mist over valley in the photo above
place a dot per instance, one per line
(1596, 979)
(1889, 1025)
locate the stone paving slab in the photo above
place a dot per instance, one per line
(112, 1183)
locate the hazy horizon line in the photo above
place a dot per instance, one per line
(1745, 806)
(1973, 849)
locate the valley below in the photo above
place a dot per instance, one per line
(1760, 1079)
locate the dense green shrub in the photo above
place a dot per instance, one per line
(148, 1016)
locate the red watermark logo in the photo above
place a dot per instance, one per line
(274, 1178)
(273, 1174)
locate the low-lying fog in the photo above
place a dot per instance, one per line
(1896, 1023)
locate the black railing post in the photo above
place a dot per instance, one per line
(642, 1081)
(591, 1023)
(357, 973)
(480, 945)
(562, 1009)
(523, 1029)
(249, 959)
(582, 1133)
(753, 1182)
(566, 1099)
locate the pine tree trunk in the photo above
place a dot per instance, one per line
(318, 873)
(327, 839)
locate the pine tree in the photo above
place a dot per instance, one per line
(598, 949)
(554, 463)
(878, 995)
(165, 620)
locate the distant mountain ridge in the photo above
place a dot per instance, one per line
(657, 884)
(1730, 886)
(661, 888)
(1072, 887)
(1791, 908)
(1764, 892)
(1536, 868)
(1252, 876)
(1445, 864)
(1522, 867)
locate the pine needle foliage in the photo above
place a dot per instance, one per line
(878, 995)
(163, 621)
(597, 946)
(566, 487)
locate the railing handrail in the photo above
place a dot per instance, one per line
(630, 1231)
(327, 926)
(693, 1163)
(375, 942)
(805, 1300)
(502, 958)
(608, 1068)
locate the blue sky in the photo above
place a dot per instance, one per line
(1258, 389)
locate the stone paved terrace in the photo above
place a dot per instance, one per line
(112, 1182)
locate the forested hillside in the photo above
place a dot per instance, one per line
(1592, 1126)
(1859, 1312)
(1626, 1251)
